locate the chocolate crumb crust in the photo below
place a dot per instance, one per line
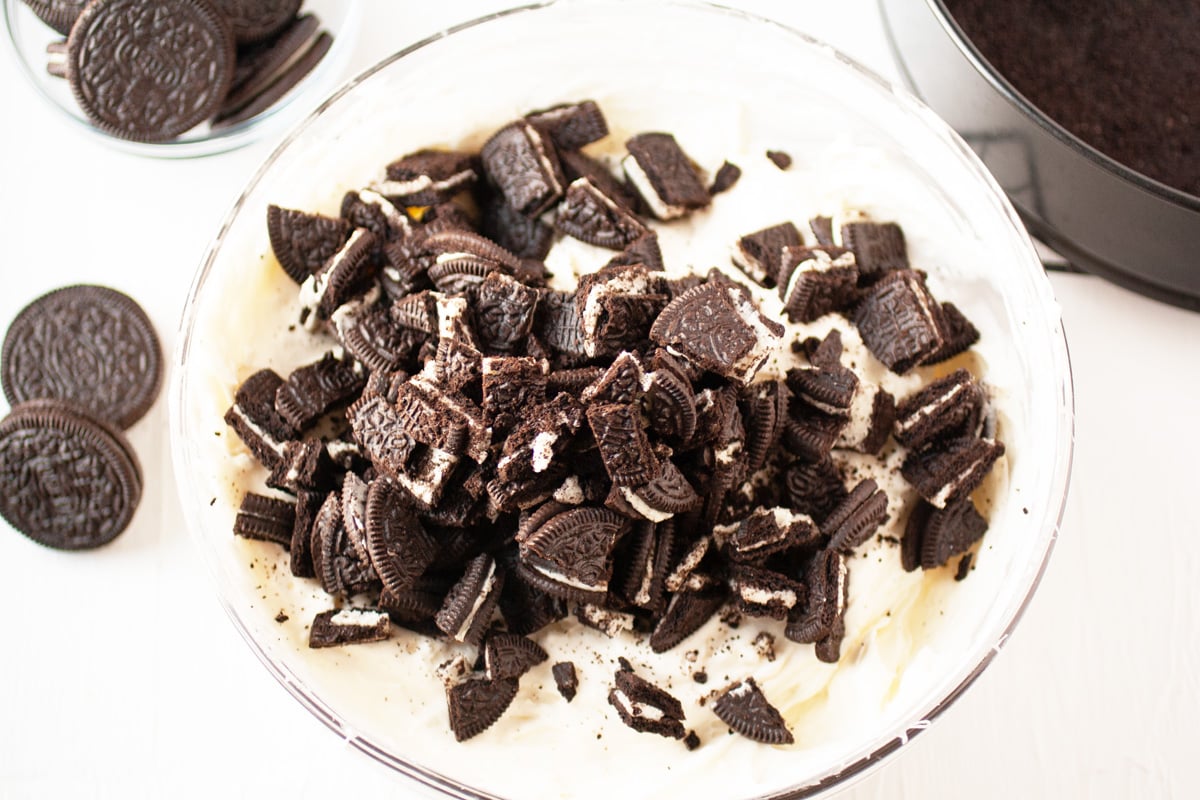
(642, 452)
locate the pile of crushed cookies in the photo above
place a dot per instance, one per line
(504, 453)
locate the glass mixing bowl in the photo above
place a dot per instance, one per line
(29, 37)
(727, 81)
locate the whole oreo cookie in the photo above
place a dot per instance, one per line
(89, 345)
(255, 20)
(66, 481)
(149, 70)
(58, 14)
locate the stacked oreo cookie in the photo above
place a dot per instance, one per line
(482, 453)
(152, 70)
(78, 365)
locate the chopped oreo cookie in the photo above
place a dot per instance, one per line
(821, 616)
(510, 655)
(933, 536)
(337, 627)
(570, 555)
(760, 254)
(524, 237)
(770, 531)
(780, 159)
(719, 328)
(745, 709)
(476, 703)
(588, 214)
(948, 407)
(347, 274)
(899, 321)
(645, 707)
(312, 390)
(727, 175)
(664, 176)
(428, 177)
(303, 242)
(761, 592)
(265, 518)
(468, 607)
(857, 517)
(397, 544)
(566, 679)
(687, 611)
(814, 281)
(878, 247)
(571, 125)
(952, 470)
(523, 166)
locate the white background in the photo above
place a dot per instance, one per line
(120, 675)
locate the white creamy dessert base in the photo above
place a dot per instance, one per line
(904, 631)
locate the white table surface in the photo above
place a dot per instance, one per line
(120, 675)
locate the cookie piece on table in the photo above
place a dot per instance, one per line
(744, 708)
(67, 481)
(337, 627)
(663, 175)
(524, 167)
(821, 616)
(571, 125)
(727, 175)
(143, 102)
(88, 345)
(760, 254)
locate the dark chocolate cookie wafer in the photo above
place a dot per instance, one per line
(150, 71)
(255, 20)
(88, 345)
(286, 81)
(66, 481)
(58, 14)
(744, 708)
(258, 67)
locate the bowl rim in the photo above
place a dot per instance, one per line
(214, 142)
(921, 719)
(1022, 103)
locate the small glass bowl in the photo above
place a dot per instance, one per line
(29, 37)
(723, 74)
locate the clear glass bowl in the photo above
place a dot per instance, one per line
(726, 76)
(29, 37)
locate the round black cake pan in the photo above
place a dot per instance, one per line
(1102, 216)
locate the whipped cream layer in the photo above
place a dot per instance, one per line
(911, 638)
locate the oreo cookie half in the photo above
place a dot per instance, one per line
(746, 709)
(337, 627)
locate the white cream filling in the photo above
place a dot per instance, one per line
(543, 450)
(642, 507)
(610, 623)
(489, 583)
(397, 220)
(421, 183)
(358, 617)
(635, 709)
(766, 340)
(763, 597)
(570, 492)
